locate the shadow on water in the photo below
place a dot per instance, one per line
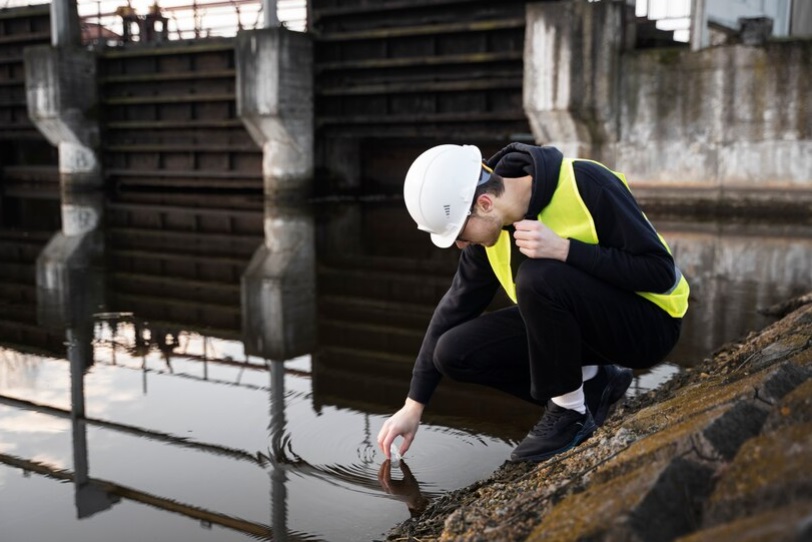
(218, 369)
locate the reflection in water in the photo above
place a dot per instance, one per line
(735, 270)
(406, 489)
(179, 344)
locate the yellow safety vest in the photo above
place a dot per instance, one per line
(567, 216)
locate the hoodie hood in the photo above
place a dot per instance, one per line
(542, 163)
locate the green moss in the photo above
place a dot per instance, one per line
(669, 57)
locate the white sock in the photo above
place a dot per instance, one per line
(588, 372)
(573, 400)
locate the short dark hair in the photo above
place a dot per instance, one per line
(495, 185)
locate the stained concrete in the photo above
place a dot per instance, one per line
(727, 126)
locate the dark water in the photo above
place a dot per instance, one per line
(173, 381)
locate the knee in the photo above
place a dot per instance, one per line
(448, 356)
(540, 278)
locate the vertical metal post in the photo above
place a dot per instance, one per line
(699, 25)
(65, 29)
(271, 18)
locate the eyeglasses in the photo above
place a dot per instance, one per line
(485, 175)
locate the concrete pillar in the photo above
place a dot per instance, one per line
(801, 19)
(62, 102)
(700, 36)
(70, 269)
(279, 287)
(275, 102)
(571, 69)
(65, 28)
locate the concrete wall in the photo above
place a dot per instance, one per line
(728, 119)
(734, 115)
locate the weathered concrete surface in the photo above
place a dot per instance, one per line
(63, 104)
(733, 122)
(723, 451)
(571, 56)
(789, 524)
(275, 102)
(278, 287)
(728, 125)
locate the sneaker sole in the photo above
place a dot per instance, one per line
(585, 432)
(614, 392)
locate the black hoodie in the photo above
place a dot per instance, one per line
(629, 254)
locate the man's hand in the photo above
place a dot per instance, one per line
(535, 240)
(403, 423)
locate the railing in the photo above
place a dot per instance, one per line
(114, 22)
(725, 17)
(671, 15)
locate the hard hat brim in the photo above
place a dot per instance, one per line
(445, 241)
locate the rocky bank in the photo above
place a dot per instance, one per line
(721, 452)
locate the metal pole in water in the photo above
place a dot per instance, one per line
(271, 18)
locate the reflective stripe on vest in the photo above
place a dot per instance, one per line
(568, 217)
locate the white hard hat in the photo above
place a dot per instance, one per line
(439, 190)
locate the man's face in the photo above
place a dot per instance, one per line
(480, 229)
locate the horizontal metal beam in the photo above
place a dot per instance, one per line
(169, 99)
(167, 76)
(44, 37)
(356, 10)
(419, 61)
(174, 124)
(187, 173)
(188, 238)
(191, 148)
(150, 434)
(170, 505)
(413, 88)
(427, 30)
(174, 47)
(42, 10)
(499, 116)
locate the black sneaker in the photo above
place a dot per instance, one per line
(605, 389)
(558, 430)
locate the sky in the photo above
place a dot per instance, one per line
(223, 17)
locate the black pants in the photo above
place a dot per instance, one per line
(565, 319)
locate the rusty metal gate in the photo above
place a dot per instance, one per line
(394, 77)
(28, 162)
(170, 120)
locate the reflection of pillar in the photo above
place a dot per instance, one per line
(89, 498)
(275, 102)
(271, 17)
(279, 287)
(70, 272)
(279, 493)
(279, 322)
(277, 425)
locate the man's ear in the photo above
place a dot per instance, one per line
(485, 202)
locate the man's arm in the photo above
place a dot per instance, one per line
(629, 253)
(471, 291)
